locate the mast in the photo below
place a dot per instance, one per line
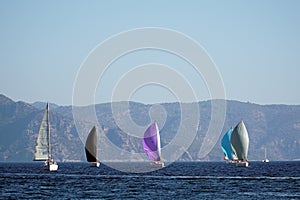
(48, 130)
(158, 142)
(42, 143)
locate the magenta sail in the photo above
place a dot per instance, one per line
(151, 143)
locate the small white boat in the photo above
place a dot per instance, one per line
(265, 159)
(91, 148)
(42, 147)
(51, 165)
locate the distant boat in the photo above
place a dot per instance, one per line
(265, 159)
(229, 154)
(42, 147)
(152, 146)
(239, 140)
(91, 150)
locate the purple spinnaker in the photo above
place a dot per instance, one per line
(150, 143)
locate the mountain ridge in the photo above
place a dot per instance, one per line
(276, 127)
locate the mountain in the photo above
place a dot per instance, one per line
(276, 127)
(19, 125)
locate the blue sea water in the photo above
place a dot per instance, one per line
(190, 180)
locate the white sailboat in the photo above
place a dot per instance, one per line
(152, 146)
(265, 159)
(239, 140)
(42, 147)
(91, 150)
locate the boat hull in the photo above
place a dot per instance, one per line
(53, 167)
(242, 164)
(231, 161)
(95, 164)
(158, 164)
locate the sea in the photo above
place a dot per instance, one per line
(179, 180)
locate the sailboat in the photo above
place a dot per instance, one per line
(229, 154)
(265, 159)
(42, 147)
(152, 146)
(91, 150)
(239, 140)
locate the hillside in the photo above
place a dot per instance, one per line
(19, 125)
(276, 127)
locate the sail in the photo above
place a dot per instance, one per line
(226, 146)
(42, 150)
(265, 153)
(240, 141)
(91, 146)
(151, 143)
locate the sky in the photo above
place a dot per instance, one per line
(255, 46)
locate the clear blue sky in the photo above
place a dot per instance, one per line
(255, 44)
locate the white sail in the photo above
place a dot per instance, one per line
(158, 141)
(42, 144)
(240, 141)
(42, 148)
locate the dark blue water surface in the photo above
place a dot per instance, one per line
(197, 180)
